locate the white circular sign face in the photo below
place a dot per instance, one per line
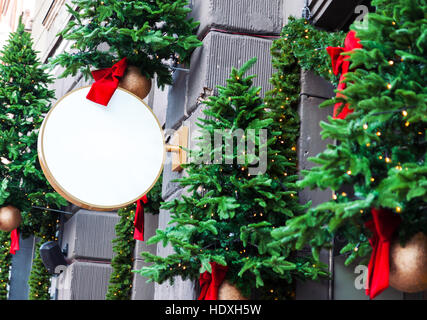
(101, 158)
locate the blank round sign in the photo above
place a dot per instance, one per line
(101, 158)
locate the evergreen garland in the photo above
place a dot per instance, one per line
(24, 99)
(149, 33)
(304, 45)
(301, 46)
(381, 150)
(120, 285)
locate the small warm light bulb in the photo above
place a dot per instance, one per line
(344, 194)
(387, 159)
(398, 209)
(372, 179)
(349, 172)
(391, 62)
(404, 113)
(368, 144)
(407, 124)
(365, 126)
(389, 86)
(378, 133)
(334, 196)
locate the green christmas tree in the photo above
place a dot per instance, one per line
(39, 280)
(379, 158)
(148, 33)
(229, 211)
(24, 99)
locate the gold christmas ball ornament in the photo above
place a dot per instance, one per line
(408, 265)
(229, 292)
(10, 218)
(135, 82)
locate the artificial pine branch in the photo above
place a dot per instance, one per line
(151, 34)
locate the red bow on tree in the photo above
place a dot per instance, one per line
(138, 233)
(14, 241)
(341, 64)
(383, 225)
(210, 282)
(106, 82)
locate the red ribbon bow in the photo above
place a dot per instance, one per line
(106, 82)
(210, 283)
(14, 241)
(341, 64)
(383, 225)
(138, 234)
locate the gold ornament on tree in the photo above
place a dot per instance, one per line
(229, 292)
(10, 218)
(408, 264)
(135, 82)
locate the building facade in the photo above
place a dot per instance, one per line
(232, 32)
(10, 11)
